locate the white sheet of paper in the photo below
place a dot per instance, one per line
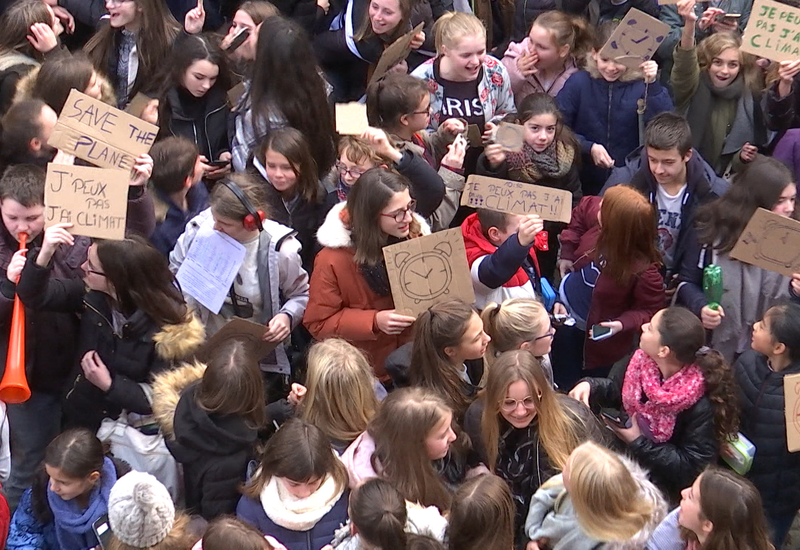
(212, 262)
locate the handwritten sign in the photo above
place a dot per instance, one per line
(635, 40)
(770, 242)
(94, 200)
(791, 394)
(510, 136)
(351, 118)
(137, 104)
(101, 134)
(428, 270)
(518, 198)
(394, 53)
(773, 31)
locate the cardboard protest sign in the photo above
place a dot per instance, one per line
(773, 31)
(137, 104)
(510, 136)
(667, 2)
(101, 134)
(94, 200)
(791, 394)
(770, 242)
(394, 53)
(473, 135)
(635, 40)
(550, 204)
(235, 94)
(351, 118)
(428, 270)
(250, 333)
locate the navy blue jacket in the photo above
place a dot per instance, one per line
(605, 112)
(171, 220)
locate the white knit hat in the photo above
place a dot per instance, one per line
(140, 510)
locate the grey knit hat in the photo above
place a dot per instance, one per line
(140, 510)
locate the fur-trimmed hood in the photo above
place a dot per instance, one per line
(334, 234)
(628, 76)
(25, 88)
(179, 342)
(167, 388)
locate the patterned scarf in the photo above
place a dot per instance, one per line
(665, 398)
(529, 166)
(125, 47)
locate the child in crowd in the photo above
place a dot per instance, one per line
(178, 195)
(226, 532)
(482, 515)
(57, 76)
(599, 497)
(299, 493)
(355, 156)
(600, 105)
(24, 131)
(543, 62)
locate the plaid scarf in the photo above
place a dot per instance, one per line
(529, 166)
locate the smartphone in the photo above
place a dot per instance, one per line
(616, 417)
(730, 17)
(599, 332)
(219, 163)
(102, 530)
(238, 40)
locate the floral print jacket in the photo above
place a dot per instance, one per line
(494, 90)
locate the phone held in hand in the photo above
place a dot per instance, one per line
(238, 40)
(619, 418)
(599, 332)
(102, 529)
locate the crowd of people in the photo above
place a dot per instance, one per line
(618, 382)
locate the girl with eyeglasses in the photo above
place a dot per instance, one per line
(524, 431)
(349, 293)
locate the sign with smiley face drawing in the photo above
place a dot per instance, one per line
(635, 40)
(428, 270)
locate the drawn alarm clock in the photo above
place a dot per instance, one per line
(635, 39)
(426, 275)
(779, 245)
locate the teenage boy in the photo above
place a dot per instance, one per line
(50, 337)
(26, 127)
(178, 194)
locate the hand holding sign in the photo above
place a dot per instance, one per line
(787, 70)
(54, 236)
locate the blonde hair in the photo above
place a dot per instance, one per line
(560, 429)
(608, 502)
(453, 26)
(567, 30)
(511, 324)
(714, 45)
(341, 394)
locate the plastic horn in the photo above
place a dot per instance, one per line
(14, 386)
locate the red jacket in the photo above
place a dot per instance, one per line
(580, 237)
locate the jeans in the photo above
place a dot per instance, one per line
(33, 425)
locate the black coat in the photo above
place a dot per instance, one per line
(214, 451)
(203, 121)
(673, 465)
(775, 471)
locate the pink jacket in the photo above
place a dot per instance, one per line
(357, 458)
(523, 87)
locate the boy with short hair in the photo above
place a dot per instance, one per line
(178, 194)
(50, 337)
(26, 128)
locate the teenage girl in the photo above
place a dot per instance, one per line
(549, 55)
(679, 396)
(718, 87)
(760, 375)
(482, 515)
(600, 105)
(349, 291)
(226, 532)
(56, 78)
(71, 493)
(133, 47)
(248, 17)
(299, 493)
(285, 167)
(409, 444)
(720, 510)
(445, 336)
(523, 430)
(749, 291)
(599, 497)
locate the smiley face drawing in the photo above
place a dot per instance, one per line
(636, 41)
(427, 275)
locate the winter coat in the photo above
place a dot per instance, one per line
(673, 465)
(783, 113)
(282, 279)
(213, 449)
(605, 112)
(787, 151)
(13, 67)
(578, 240)
(341, 301)
(524, 86)
(552, 515)
(170, 220)
(775, 471)
(494, 91)
(141, 348)
(203, 121)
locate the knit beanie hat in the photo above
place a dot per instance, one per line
(140, 510)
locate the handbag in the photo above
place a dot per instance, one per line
(138, 440)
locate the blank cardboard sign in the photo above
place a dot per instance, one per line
(394, 53)
(351, 118)
(635, 40)
(773, 31)
(94, 200)
(770, 242)
(428, 270)
(550, 204)
(100, 134)
(791, 394)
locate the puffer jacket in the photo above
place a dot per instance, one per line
(604, 112)
(775, 471)
(213, 449)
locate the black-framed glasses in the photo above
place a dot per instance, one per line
(400, 215)
(550, 333)
(345, 171)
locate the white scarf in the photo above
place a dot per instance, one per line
(299, 514)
